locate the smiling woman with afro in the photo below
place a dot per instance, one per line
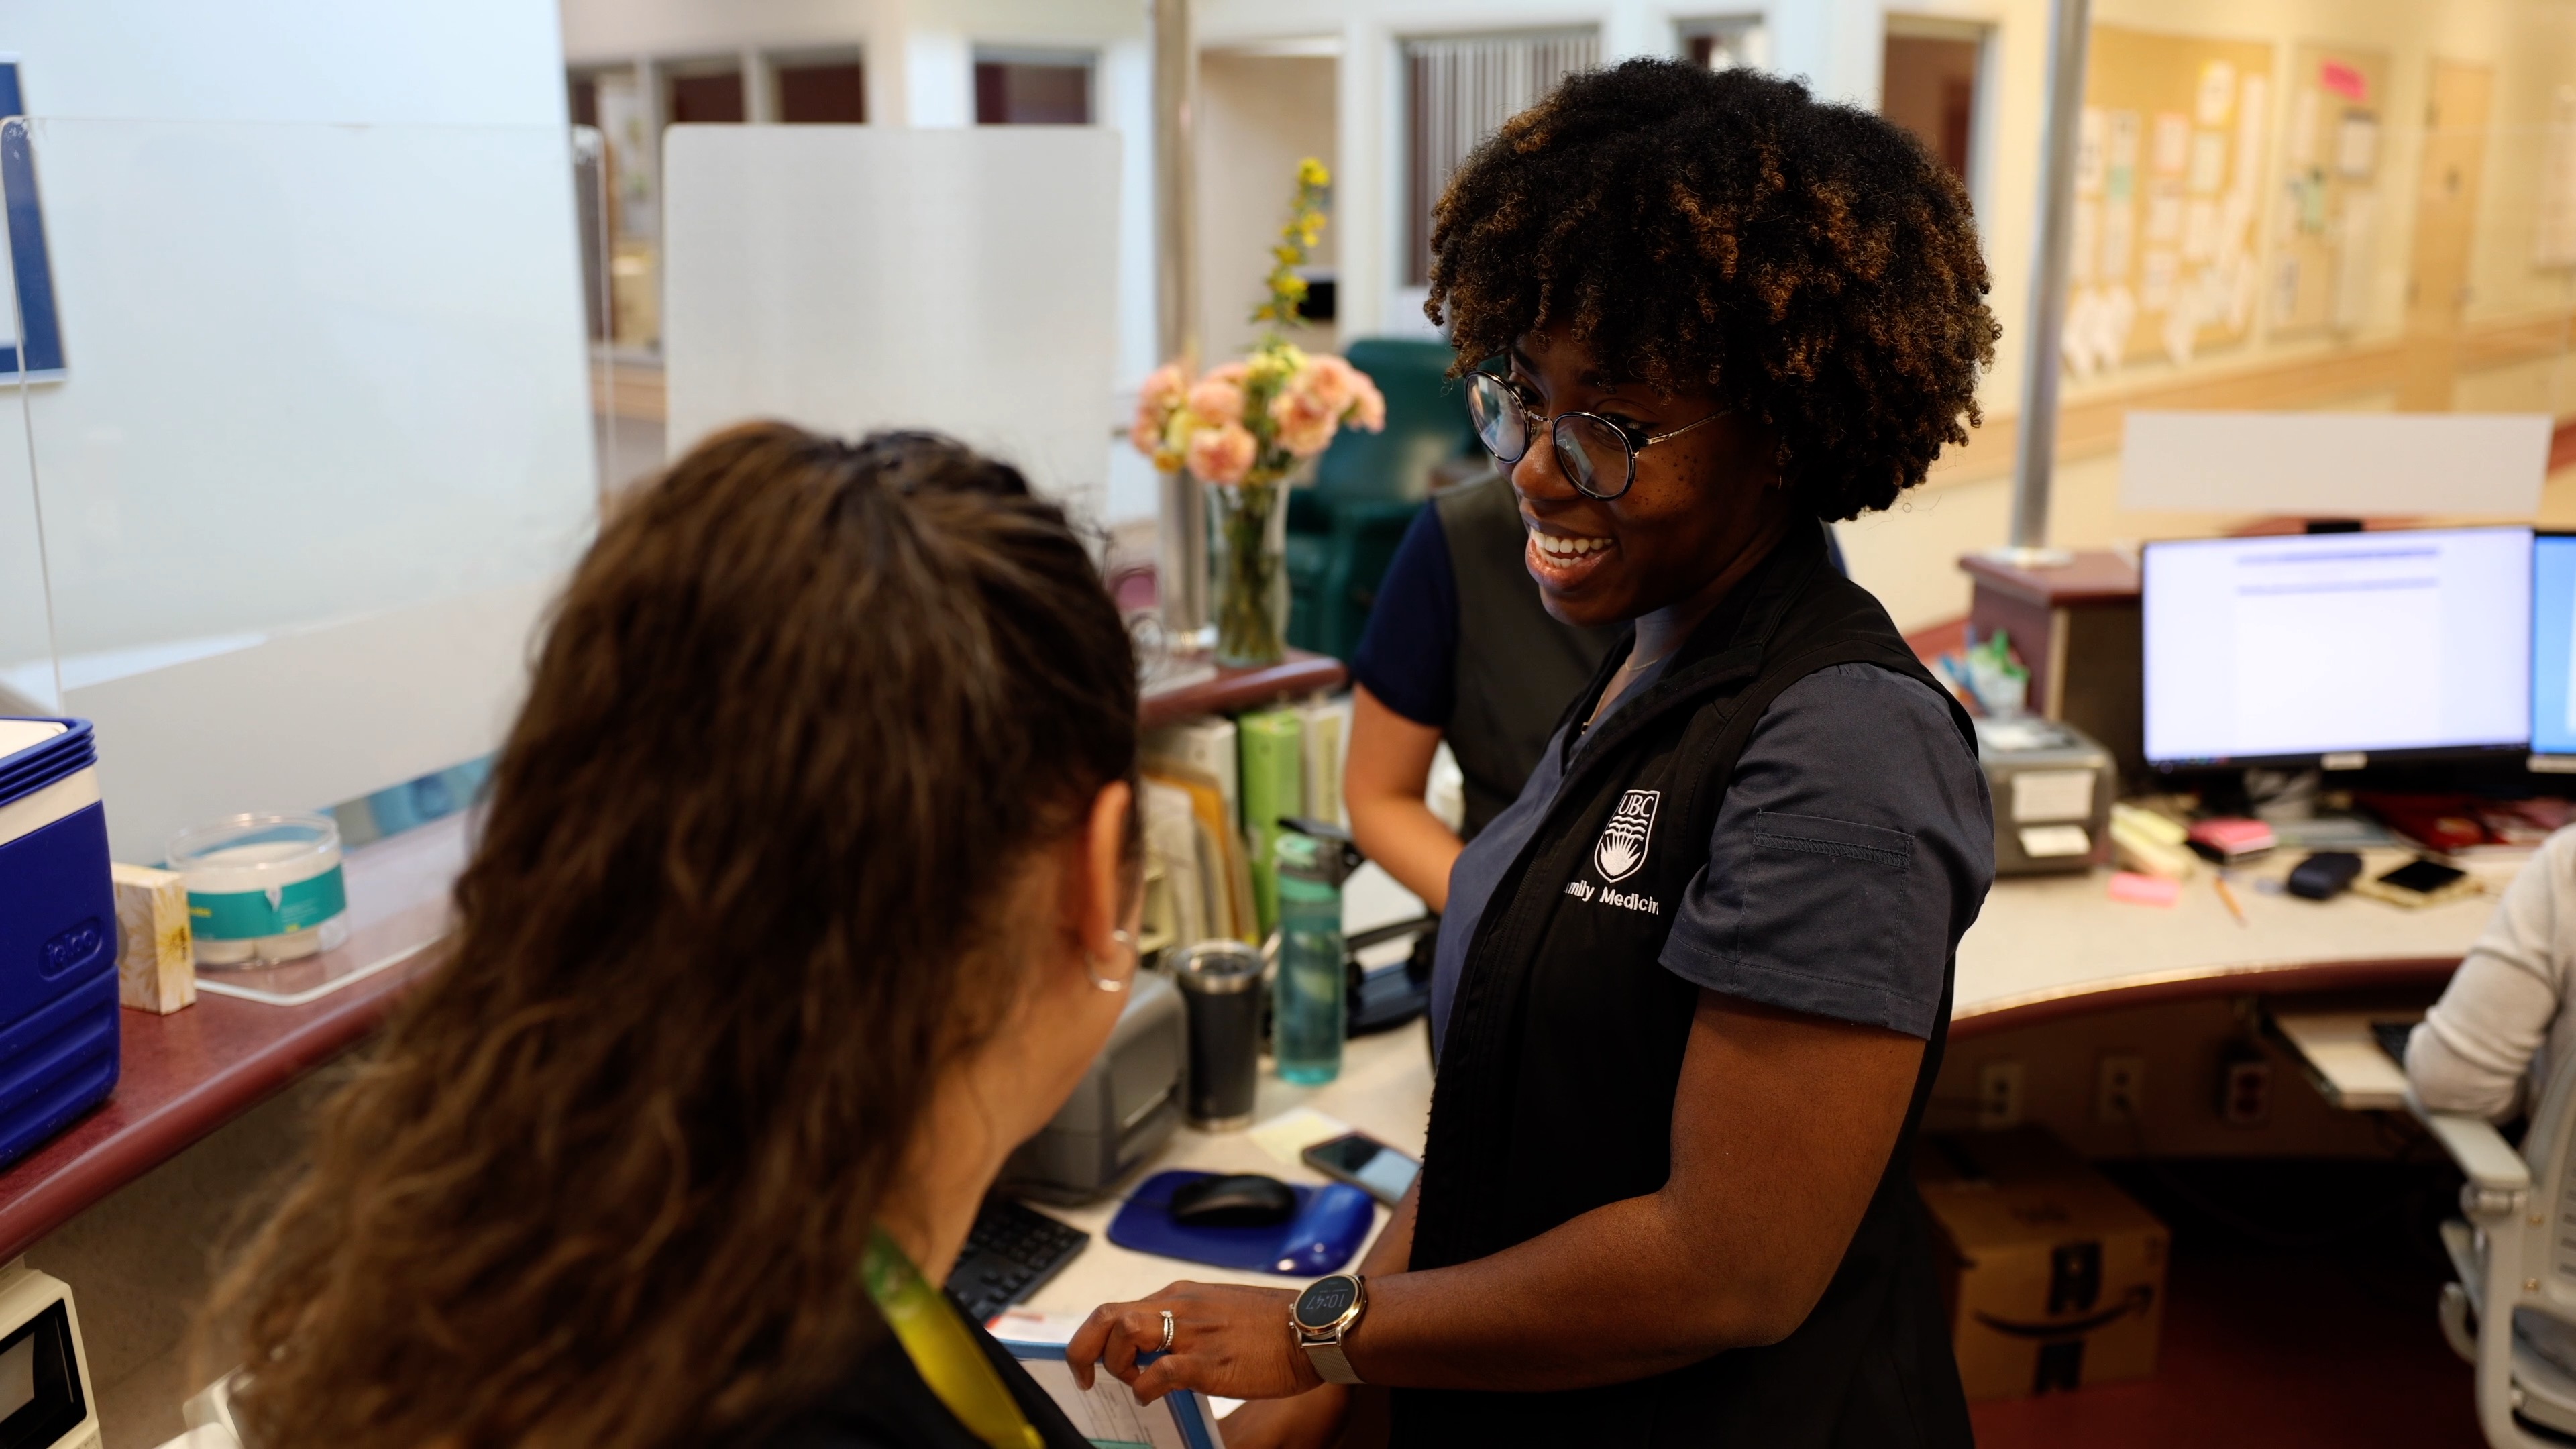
(1691, 987)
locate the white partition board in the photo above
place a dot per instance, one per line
(2335, 465)
(322, 444)
(847, 278)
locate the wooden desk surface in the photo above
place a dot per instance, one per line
(1224, 691)
(2050, 946)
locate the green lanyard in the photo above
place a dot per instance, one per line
(943, 1349)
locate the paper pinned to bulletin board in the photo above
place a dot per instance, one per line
(2326, 229)
(2168, 186)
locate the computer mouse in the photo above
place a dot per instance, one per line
(1240, 1200)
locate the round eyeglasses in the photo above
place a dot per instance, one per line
(1598, 454)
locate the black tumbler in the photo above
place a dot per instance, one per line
(1221, 981)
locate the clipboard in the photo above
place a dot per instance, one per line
(1109, 1415)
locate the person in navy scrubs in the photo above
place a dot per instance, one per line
(1692, 986)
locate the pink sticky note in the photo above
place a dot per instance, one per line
(2144, 890)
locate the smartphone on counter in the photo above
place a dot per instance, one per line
(1365, 1163)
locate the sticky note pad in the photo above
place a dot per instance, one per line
(2144, 890)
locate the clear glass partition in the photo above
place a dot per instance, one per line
(320, 448)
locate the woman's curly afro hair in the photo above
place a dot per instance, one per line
(1811, 262)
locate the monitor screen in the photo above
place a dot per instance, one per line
(2553, 645)
(2292, 648)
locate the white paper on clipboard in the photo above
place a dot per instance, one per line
(1108, 1414)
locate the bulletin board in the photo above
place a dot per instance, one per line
(2327, 209)
(2168, 188)
(2554, 241)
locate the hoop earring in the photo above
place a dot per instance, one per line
(1091, 964)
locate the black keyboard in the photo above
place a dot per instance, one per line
(1010, 1253)
(2392, 1037)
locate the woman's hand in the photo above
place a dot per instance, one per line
(1309, 1421)
(1227, 1339)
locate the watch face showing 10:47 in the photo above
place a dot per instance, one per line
(1325, 1300)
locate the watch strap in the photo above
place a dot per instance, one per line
(1330, 1361)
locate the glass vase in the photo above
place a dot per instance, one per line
(1248, 571)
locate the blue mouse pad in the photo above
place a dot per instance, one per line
(1323, 1234)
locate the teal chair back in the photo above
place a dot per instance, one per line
(1426, 425)
(1368, 486)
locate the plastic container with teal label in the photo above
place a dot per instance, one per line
(263, 888)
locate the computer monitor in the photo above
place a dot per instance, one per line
(2335, 648)
(2553, 649)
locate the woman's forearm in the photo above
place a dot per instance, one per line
(1382, 785)
(1408, 842)
(1619, 1293)
(1393, 1250)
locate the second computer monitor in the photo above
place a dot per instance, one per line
(2553, 645)
(2314, 647)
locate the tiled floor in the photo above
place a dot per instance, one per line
(2303, 1318)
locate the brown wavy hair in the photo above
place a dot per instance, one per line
(800, 715)
(1811, 262)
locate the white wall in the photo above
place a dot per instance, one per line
(1259, 115)
(323, 444)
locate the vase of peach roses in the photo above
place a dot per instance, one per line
(1250, 430)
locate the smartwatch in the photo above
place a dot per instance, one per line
(1323, 1316)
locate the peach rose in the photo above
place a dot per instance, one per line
(1234, 372)
(1333, 381)
(1222, 454)
(1156, 401)
(1217, 400)
(1368, 406)
(1304, 423)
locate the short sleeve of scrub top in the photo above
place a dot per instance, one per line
(1850, 855)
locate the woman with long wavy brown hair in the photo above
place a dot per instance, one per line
(798, 904)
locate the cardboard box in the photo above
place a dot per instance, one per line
(156, 967)
(2053, 1276)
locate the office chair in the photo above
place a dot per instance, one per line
(1343, 531)
(2515, 1254)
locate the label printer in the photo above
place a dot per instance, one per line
(2052, 788)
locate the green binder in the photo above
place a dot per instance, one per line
(1274, 783)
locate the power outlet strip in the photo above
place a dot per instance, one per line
(2119, 1092)
(1999, 1095)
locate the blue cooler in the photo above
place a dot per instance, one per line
(58, 1011)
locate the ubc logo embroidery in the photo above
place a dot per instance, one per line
(1622, 847)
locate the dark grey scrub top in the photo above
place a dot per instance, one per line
(1859, 933)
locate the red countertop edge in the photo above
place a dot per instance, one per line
(2392, 973)
(1236, 689)
(167, 1099)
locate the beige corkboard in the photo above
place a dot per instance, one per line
(2326, 209)
(2169, 194)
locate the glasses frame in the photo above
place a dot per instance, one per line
(1632, 438)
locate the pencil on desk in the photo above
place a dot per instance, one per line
(2227, 893)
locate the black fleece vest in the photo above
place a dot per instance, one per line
(1564, 1051)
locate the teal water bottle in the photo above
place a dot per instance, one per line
(1307, 1011)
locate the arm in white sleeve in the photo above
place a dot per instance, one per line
(2477, 1042)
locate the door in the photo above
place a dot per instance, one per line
(2446, 213)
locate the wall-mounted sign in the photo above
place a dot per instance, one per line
(32, 349)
